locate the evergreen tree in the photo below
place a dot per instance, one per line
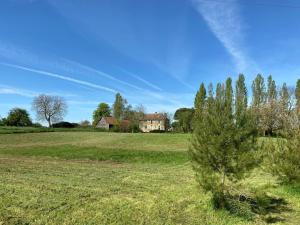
(199, 102)
(221, 151)
(241, 102)
(283, 158)
(297, 95)
(272, 92)
(119, 106)
(285, 97)
(258, 91)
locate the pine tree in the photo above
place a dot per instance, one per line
(199, 103)
(221, 151)
(241, 102)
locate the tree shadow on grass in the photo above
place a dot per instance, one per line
(269, 208)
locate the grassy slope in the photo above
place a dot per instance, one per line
(144, 179)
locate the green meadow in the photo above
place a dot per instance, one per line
(115, 178)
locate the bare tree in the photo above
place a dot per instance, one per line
(49, 108)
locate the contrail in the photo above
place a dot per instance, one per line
(62, 77)
(103, 74)
(142, 80)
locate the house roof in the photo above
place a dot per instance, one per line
(110, 120)
(114, 121)
(154, 116)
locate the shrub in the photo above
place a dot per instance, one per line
(64, 125)
(157, 131)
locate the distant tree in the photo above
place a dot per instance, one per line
(222, 150)
(297, 95)
(103, 110)
(85, 123)
(134, 115)
(119, 106)
(18, 117)
(241, 102)
(259, 98)
(185, 116)
(199, 102)
(258, 91)
(272, 92)
(49, 108)
(2, 121)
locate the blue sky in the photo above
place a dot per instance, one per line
(154, 52)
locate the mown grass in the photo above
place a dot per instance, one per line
(104, 178)
(100, 154)
(15, 130)
(139, 141)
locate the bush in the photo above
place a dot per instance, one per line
(65, 125)
(157, 131)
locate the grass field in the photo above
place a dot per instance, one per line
(112, 178)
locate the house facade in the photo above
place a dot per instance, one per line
(154, 121)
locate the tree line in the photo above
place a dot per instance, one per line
(275, 107)
(120, 110)
(52, 110)
(226, 144)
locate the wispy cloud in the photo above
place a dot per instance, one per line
(62, 77)
(224, 20)
(149, 84)
(103, 74)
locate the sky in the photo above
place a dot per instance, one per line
(154, 52)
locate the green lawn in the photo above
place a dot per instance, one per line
(112, 178)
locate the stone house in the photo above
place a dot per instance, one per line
(154, 121)
(109, 123)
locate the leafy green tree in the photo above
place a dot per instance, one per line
(119, 106)
(134, 115)
(222, 151)
(103, 110)
(185, 116)
(18, 117)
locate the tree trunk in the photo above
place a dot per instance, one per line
(49, 122)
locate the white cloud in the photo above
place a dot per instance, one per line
(62, 77)
(224, 20)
